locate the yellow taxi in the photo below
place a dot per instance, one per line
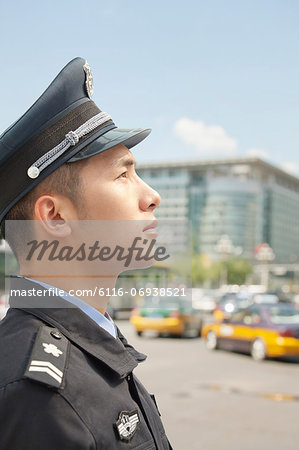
(231, 303)
(167, 315)
(262, 330)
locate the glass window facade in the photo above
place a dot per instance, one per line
(251, 202)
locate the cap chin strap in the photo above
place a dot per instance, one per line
(71, 139)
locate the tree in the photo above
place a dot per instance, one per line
(238, 270)
(204, 269)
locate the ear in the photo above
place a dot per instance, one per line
(53, 212)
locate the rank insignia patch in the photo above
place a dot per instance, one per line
(127, 423)
(50, 348)
(47, 362)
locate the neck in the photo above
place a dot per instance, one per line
(92, 289)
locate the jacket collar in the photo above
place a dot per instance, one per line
(117, 354)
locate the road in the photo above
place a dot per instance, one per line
(219, 400)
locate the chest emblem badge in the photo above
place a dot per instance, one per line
(51, 348)
(127, 423)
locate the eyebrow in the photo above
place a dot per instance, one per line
(123, 162)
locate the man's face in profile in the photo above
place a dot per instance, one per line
(113, 191)
(115, 210)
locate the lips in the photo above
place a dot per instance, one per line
(152, 227)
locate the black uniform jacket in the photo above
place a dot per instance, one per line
(67, 384)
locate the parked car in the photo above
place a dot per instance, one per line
(262, 330)
(167, 315)
(265, 298)
(231, 303)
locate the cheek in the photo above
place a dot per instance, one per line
(112, 202)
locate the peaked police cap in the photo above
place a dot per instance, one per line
(63, 125)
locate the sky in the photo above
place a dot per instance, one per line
(212, 78)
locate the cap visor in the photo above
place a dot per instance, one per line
(128, 137)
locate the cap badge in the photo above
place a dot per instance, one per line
(89, 79)
(127, 424)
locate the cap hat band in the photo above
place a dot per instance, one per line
(71, 138)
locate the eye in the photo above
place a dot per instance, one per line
(123, 175)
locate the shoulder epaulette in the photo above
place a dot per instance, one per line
(47, 362)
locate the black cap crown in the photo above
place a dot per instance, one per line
(63, 125)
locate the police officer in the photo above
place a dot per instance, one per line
(66, 373)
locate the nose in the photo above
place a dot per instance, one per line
(149, 199)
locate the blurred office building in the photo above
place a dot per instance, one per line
(246, 201)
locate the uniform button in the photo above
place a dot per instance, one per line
(56, 334)
(33, 172)
(128, 377)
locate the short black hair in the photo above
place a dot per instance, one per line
(65, 180)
